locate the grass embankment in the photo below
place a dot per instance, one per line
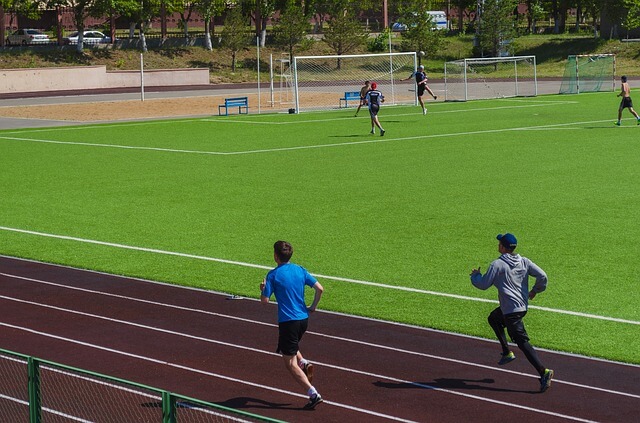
(551, 52)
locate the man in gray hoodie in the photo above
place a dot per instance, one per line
(510, 275)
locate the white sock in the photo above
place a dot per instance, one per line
(312, 391)
(302, 362)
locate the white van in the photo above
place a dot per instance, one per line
(440, 19)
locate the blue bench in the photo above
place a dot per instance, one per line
(350, 95)
(239, 102)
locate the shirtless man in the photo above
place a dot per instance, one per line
(363, 93)
(626, 101)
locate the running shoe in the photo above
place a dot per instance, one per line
(382, 131)
(545, 380)
(618, 123)
(424, 112)
(507, 358)
(313, 401)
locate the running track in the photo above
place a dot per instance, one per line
(221, 350)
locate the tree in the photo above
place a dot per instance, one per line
(208, 9)
(234, 36)
(344, 34)
(292, 27)
(27, 8)
(421, 34)
(495, 26)
(632, 18)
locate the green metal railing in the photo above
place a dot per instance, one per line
(36, 391)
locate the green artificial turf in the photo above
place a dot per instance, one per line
(417, 208)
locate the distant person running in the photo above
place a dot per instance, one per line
(374, 99)
(421, 82)
(287, 282)
(363, 93)
(626, 101)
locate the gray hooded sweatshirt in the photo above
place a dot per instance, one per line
(510, 275)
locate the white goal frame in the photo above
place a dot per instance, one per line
(319, 82)
(464, 79)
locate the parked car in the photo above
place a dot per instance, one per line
(88, 37)
(438, 18)
(27, 36)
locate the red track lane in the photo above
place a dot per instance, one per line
(203, 345)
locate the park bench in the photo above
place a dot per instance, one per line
(239, 102)
(349, 95)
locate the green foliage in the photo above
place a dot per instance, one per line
(345, 34)
(234, 35)
(496, 27)
(380, 43)
(291, 27)
(421, 33)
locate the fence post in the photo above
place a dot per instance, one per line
(35, 404)
(168, 408)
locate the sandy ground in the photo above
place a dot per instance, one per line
(131, 109)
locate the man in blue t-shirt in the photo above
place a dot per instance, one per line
(287, 282)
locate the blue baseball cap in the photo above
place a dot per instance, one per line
(508, 240)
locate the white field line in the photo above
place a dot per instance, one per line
(373, 375)
(387, 115)
(201, 372)
(257, 322)
(377, 140)
(327, 277)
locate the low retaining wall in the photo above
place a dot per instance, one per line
(94, 77)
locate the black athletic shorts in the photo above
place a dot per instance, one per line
(373, 110)
(626, 102)
(421, 89)
(289, 335)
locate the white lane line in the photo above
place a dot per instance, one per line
(47, 409)
(190, 369)
(375, 140)
(271, 388)
(327, 277)
(256, 322)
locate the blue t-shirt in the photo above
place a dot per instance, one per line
(287, 283)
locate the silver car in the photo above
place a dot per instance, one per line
(26, 37)
(88, 37)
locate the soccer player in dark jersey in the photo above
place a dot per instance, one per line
(421, 83)
(374, 99)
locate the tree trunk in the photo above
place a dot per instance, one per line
(207, 35)
(2, 27)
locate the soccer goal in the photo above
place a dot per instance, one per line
(324, 82)
(589, 73)
(490, 77)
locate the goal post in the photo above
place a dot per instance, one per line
(490, 77)
(320, 82)
(589, 73)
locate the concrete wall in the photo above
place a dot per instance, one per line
(93, 77)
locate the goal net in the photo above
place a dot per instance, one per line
(490, 77)
(589, 73)
(320, 82)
